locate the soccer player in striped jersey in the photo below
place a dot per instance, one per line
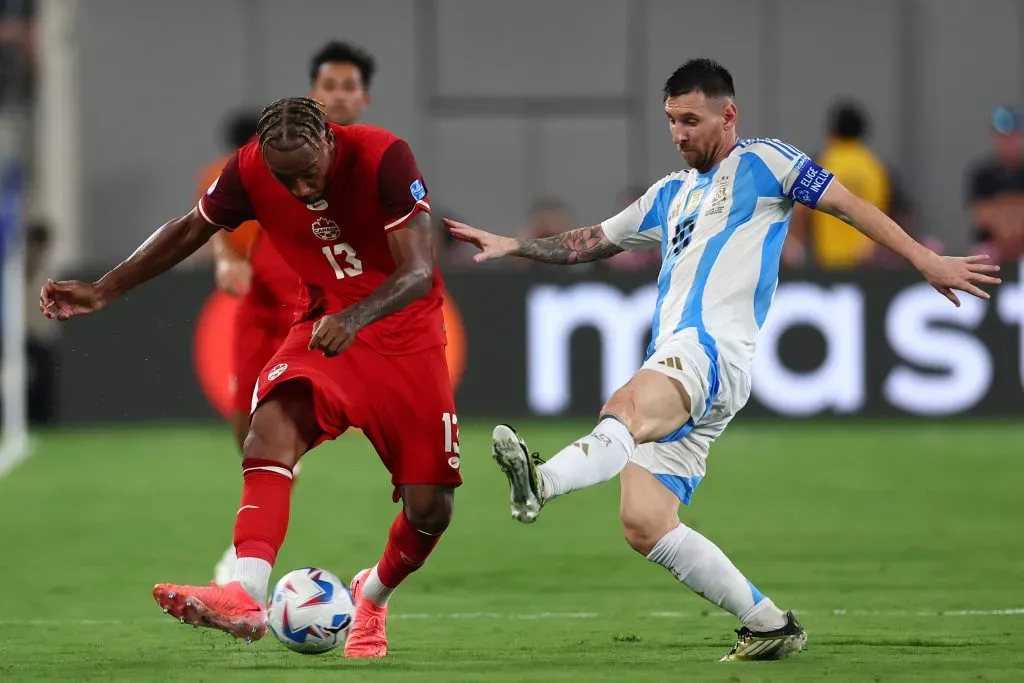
(720, 226)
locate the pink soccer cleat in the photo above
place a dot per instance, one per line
(228, 608)
(367, 637)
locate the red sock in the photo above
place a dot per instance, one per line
(406, 551)
(262, 519)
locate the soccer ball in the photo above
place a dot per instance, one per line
(311, 611)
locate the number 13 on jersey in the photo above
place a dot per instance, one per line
(451, 433)
(352, 265)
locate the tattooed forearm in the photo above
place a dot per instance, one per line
(581, 245)
(412, 279)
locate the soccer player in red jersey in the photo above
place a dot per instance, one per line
(340, 76)
(347, 208)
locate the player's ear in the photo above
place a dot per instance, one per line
(730, 115)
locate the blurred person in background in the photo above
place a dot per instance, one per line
(17, 51)
(819, 239)
(340, 75)
(996, 190)
(238, 129)
(40, 332)
(40, 355)
(547, 217)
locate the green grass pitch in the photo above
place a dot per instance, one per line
(899, 545)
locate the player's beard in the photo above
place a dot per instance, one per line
(696, 160)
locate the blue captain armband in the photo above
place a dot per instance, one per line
(810, 183)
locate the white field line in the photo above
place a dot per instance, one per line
(507, 616)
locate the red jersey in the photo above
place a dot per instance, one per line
(274, 285)
(339, 245)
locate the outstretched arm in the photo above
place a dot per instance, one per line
(171, 244)
(581, 245)
(944, 273)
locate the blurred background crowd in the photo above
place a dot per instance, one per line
(527, 120)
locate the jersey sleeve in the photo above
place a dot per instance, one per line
(226, 203)
(403, 194)
(640, 225)
(800, 179)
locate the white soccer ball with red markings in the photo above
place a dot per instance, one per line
(311, 611)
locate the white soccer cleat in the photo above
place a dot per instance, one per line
(755, 646)
(224, 572)
(520, 468)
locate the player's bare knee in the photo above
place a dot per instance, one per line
(622, 407)
(428, 508)
(641, 532)
(282, 428)
(264, 445)
(644, 525)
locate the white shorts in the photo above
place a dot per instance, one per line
(718, 389)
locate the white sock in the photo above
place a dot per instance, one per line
(703, 568)
(254, 575)
(374, 589)
(597, 457)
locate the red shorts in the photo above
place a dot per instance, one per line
(259, 332)
(404, 404)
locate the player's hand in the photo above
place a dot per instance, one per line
(332, 334)
(233, 276)
(964, 273)
(62, 300)
(491, 246)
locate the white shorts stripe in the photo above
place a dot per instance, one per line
(255, 396)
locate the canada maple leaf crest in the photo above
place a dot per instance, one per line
(326, 229)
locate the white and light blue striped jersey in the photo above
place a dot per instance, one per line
(721, 236)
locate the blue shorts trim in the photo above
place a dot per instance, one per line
(683, 487)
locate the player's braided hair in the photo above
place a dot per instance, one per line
(292, 119)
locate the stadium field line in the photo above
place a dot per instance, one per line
(494, 616)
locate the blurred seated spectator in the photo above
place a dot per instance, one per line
(996, 190)
(819, 239)
(633, 260)
(547, 217)
(17, 52)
